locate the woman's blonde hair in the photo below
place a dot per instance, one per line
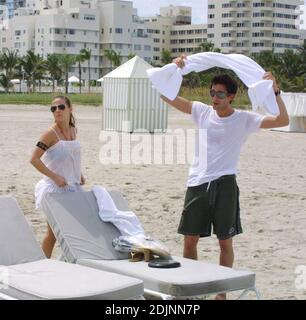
(69, 104)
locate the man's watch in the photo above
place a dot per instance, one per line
(277, 92)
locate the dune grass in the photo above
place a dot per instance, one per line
(95, 99)
(202, 94)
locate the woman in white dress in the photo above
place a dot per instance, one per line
(58, 157)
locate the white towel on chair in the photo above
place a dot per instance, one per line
(126, 221)
(168, 79)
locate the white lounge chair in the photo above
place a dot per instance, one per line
(25, 273)
(86, 240)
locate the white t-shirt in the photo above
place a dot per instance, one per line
(218, 142)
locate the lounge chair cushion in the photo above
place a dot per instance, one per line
(17, 241)
(77, 226)
(42, 280)
(191, 279)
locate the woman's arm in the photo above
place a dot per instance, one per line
(46, 139)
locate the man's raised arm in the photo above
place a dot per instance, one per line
(179, 103)
(282, 119)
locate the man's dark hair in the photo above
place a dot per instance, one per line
(227, 81)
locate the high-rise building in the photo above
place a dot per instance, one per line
(303, 37)
(172, 31)
(251, 26)
(12, 5)
(66, 27)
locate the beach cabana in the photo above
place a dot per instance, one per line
(296, 108)
(129, 102)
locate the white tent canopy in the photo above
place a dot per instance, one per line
(73, 79)
(134, 68)
(15, 81)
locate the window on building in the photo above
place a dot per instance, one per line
(70, 44)
(118, 30)
(89, 17)
(58, 44)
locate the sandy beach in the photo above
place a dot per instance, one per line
(272, 181)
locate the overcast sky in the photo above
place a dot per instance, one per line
(199, 8)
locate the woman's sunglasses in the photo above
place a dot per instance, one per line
(60, 107)
(219, 94)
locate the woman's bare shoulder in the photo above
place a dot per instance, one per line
(49, 137)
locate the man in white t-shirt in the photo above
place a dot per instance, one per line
(212, 197)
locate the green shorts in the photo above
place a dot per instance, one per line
(212, 204)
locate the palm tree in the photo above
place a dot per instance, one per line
(166, 57)
(87, 56)
(117, 59)
(290, 64)
(67, 61)
(131, 56)
(5, 82)
(206, 46)
(79, 59)
(54, 68)
(114, 57)
(34, 68)
(9, 62)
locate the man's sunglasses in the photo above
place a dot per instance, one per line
(219, 94)
(60, 107)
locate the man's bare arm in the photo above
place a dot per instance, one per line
(179, 103)
(282, 119)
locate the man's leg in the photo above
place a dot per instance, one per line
(226, 259)
(226, 253)
(190, 247)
